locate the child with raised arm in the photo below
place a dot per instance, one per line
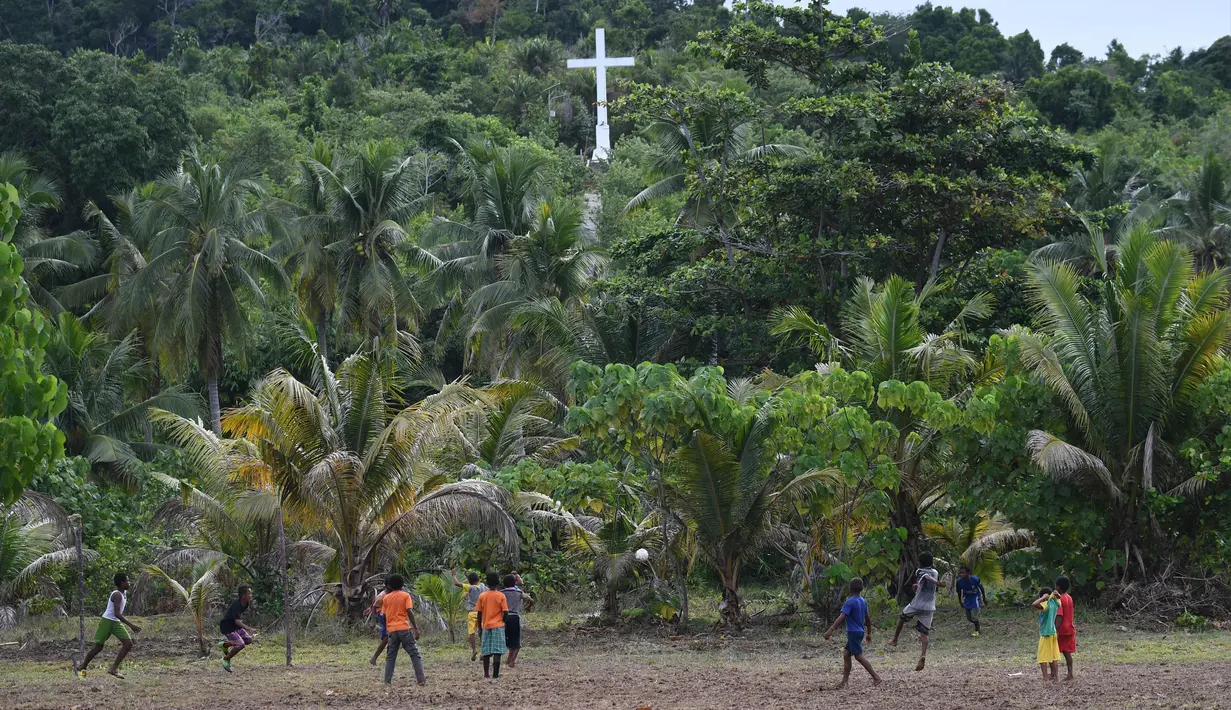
(922, 608)
(112, 624)
(398, 608)
(1066, 631)
(517, 600)
(973, 595)
(491, 609)
(1048, 656)
(380, 623)
(238, 634)
(471, 589)
(858, 629)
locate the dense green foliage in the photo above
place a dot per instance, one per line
(327, 286)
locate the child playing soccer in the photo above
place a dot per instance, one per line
(858, 628)
(397, 606)
(1066, 632)
(491, 608)
(1048, 605)
(238, 634)
(517, 599)
(112, 624)
(471, 589)
(973, 596)
(380, 622)
(922, 608)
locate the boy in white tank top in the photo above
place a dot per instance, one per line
(111, 624)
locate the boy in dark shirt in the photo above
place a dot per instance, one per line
(858, 628)
(237, 633)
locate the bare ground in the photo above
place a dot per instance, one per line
(572, 669)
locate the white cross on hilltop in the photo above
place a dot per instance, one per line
(600, 62)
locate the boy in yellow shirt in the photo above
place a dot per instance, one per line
(471, 589)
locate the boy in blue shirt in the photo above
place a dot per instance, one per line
(970, 590)
(858, 629)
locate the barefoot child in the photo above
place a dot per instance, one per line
(238, 634)
(517, 599)
(471, 589)
(491, 608)
(1048, 605)
(112, 624)
(397, 606)
(1066, 632)
(858, 628)
(922, 608)
(973, 596)
(380, 622)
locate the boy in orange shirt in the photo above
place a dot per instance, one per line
(403, 630)
(491, 608)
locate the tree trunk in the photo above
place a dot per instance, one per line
(906, 515)
(201, 637)
(288, 618)
(77, 533)
(611, 602)
(731, 610)
(321, 343)
(940, 245)
(215, 409)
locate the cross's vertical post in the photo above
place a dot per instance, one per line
(600, 62)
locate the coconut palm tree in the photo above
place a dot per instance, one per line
(35, 541)
(354, 224)
(346, 462)
(979, 543)
(198, 598)
(553, 262)
(445, 597)
(311, 249)
(48, 262)
(882, 335)
(1199, 213)
(1125, 361)
(107, 412)
(202, 259)
(728, 490)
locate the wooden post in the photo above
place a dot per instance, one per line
(76, 522)
(288, 618)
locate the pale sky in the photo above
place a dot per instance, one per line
(1143, 26)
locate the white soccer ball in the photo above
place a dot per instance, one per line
(642, 555)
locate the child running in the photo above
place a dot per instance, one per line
(238, 634)
(380, 622)
(970, 590)
(397, 606)
(112, 624)
(922, 608)
(516, 599)
(858, 628)
(1066, 631)
(471, 589)
(1048, 657)
(491, 608)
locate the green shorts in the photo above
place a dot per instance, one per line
(108, 628)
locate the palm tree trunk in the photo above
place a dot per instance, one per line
(288, 618)
(321, 344)
(201, 637)
(215, 409)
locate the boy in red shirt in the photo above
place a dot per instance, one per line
(402, 627)
(1066, 632)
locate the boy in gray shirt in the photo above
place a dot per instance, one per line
(922, 608)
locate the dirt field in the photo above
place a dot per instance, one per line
(580, 669)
